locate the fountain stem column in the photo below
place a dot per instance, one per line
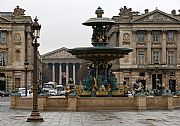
(96, 83)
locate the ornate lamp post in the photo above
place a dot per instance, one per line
(35, 115)
(26, 67)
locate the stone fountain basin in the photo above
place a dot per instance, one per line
(100, 53)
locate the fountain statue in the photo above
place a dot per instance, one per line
(100, 80)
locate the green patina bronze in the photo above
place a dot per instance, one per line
(100, 80)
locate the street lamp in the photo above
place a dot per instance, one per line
(156, 63)
(26, 67)
(35, 115)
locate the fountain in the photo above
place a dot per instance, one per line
(100, 80)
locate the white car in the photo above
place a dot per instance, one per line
(53, 92)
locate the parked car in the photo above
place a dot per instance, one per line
(15, 92)
(60, 90)
(20, 92)
(4, 93)
(52, 92)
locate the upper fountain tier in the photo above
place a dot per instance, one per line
(99, 20)
(101, 52)
(99, 25)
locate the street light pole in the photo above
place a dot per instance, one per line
(35, 115)
(156, 67)
(26, 67)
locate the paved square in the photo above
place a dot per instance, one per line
(14, 117)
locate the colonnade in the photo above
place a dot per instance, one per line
(64, 72)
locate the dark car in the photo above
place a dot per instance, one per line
(4, 93)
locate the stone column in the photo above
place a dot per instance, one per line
(53, 72)
(60, 73)
(74, 73)
(10, 51)
(149, 58)
(178, 48)
(164, 48)
(134, 47)
(9, 56)
(67, 73)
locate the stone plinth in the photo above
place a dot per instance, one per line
(141, 103)
(170, 102)
(72, 103)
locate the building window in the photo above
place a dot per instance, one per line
(141, 58)
(156, 57)
(17, 82)
(140, 36)
(2, 58)
(2, 37)
(17, 55)
(156, 35)
(170, 57)
(170, 37)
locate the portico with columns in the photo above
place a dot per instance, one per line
(60, 66)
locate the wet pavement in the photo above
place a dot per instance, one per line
(14, 117)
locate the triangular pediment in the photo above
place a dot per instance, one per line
(61, 53)
(156, 16)
(4, 20)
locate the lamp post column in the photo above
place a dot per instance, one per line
(35, 115)
(26, 67)
(35, 86)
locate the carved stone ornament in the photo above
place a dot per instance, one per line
(126, 59)
(126, 37)
(125, 11)
(18, 11)
(157, 18)
(60, 54)
(17, 37)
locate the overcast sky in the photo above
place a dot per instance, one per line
(61, 20)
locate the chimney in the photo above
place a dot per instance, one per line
(146, 11)
(173, 12)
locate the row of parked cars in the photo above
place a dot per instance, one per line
(51, 90)
(21, 92)
(4, 93)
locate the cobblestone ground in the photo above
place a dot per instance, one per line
(12, 117)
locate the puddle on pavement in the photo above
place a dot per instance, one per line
(19, 117)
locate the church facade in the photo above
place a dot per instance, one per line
(155, 39)
(59, 66)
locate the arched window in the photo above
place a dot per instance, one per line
(17, 53)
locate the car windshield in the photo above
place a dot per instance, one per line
(22, 91)
(60, 88)
(48, 86)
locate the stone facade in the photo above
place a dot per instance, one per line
(15, 49)
(155, 38)
(60, 65)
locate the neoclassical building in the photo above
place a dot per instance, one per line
(16, 51)
(59, 66)
(155, 39)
